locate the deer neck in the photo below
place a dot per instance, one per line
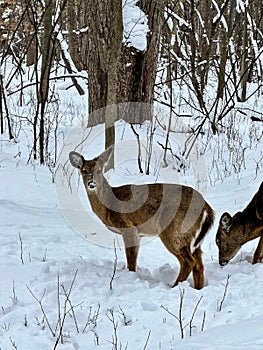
(98, 198)
(249, 223)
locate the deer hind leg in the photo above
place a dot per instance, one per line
(198, 269)
(187, 263)
(132, 242)
(258, 255)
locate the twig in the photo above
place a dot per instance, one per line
(114, 267)
(39, 301)
(256, 119)
(203, 322)
(13, 343)
(44, 259)
(111, 317)
(139, 158)
(51, 78)
(21, 248)
(92, 323)
(126, 320)
(147, 340)
(224, 294)
(179, 318)
(61, 321)
(58, 306)
(14, 297)
(193, 315)
(71, 309)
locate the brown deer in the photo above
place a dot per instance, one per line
(244, 226)
(178, 214)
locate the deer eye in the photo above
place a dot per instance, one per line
(84, 172)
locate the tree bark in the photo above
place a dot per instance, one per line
(72, 36)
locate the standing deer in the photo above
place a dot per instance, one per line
(178, 214)
(244, 226)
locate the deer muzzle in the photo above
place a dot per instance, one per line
(92, 185)
(223, 262)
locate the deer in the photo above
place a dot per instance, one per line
(244, 226)
(178, 214)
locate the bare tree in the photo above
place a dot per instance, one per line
(219, 41)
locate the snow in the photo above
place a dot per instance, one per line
(135, 24)
(241, 5)
(237, 336)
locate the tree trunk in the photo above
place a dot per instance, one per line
(244, 59)
(47, 50)
(115, 38)
(222, 63)
(115, 68)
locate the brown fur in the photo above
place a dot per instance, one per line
(244, 226)
(178, 214)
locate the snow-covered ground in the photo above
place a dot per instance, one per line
(53, 282)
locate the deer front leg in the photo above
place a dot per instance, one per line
(186, 265)
(198, 269)
(258, 256)
(132, 242)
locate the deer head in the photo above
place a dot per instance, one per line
(244, 226)
(227, 238)
(91, 170)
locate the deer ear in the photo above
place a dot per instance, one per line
(76, 159)
(106, 155)
(226, 221)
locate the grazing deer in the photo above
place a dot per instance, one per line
(244, 226)
(178, 214)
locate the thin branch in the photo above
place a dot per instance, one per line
(21, 248)
(193, 315)
(147, 340)
(71, 76)
(39, 301)
(114, 266)
(139, 158)
(203, 322)
(224, 294)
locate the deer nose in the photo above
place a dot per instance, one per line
(90, 181)
(92, 184)
(223, 262)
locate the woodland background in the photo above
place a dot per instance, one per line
(61, 63)
(202, 58)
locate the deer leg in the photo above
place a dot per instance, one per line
(186, 265)
(258, 253)
(198, 269)
(132, 242)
